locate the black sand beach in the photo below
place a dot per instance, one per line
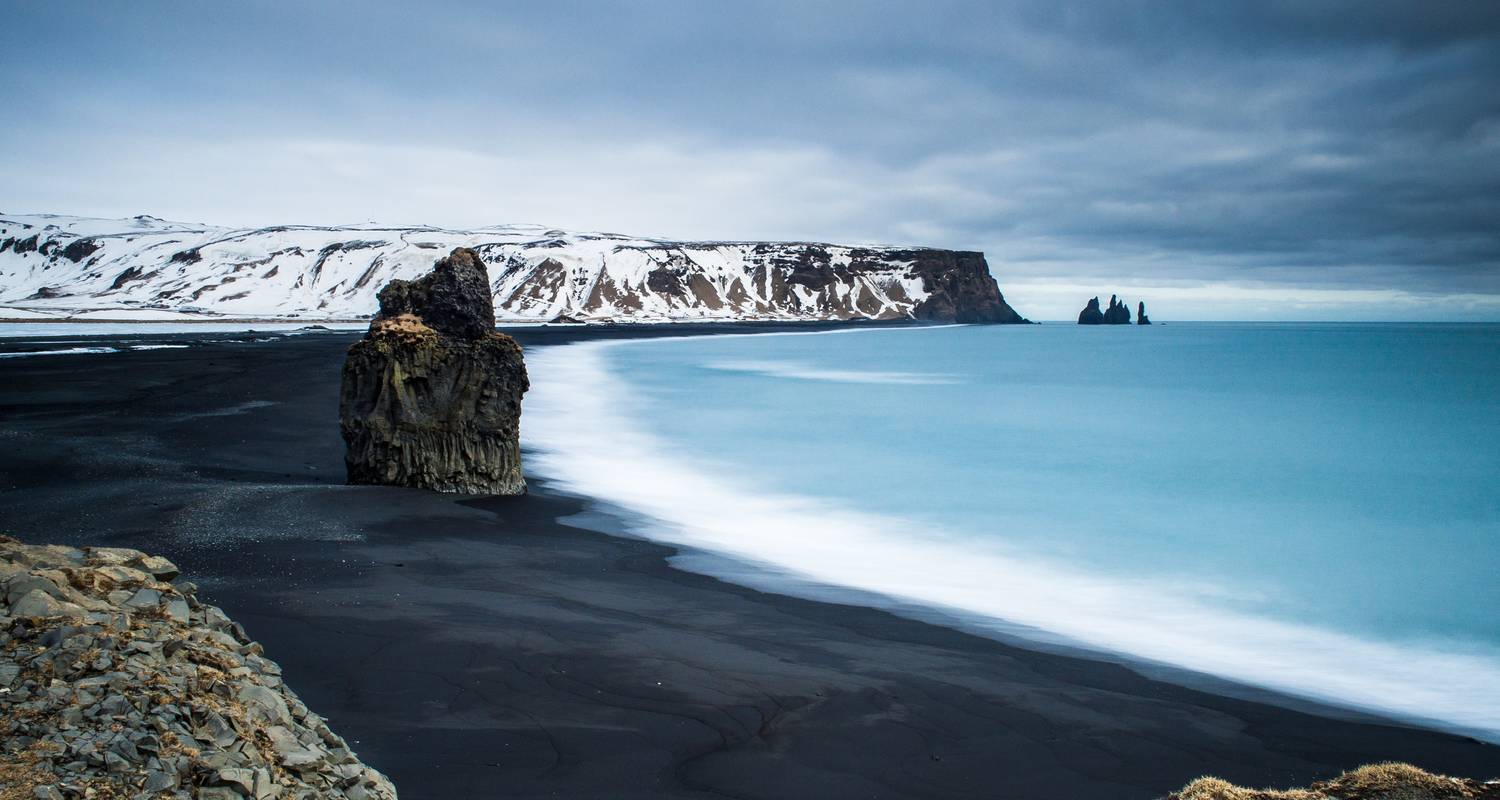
(481, 648)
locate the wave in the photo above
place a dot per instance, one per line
(68, 351)
(581, 425)
(799, 371)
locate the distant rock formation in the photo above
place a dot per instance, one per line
(1116, 314)
(1091, 315)
(116, 682)
(431, 397)
(1140, 314)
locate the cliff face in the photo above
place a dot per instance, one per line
(431, 397)
(116, 683)
(960, 288)
(65, 265)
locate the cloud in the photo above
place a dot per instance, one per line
(1310, 146)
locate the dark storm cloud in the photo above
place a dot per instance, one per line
(1303, 144)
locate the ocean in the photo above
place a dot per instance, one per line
(1308, 508)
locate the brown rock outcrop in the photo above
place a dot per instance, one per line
(431, 397)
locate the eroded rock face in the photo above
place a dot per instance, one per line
(1140, 314)
(115, 683)
(960, 288)
(431, 397)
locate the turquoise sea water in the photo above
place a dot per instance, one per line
(1310, 508)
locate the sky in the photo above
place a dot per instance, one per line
(1255, 160)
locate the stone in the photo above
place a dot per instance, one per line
(1140, 314)
(1091, 315)
(453, 299)
(177, 608)
(431, 397)
(242, 780)
(159, 568)
(38, 603)
(160, 781)
(21, 585)
(144, 598)
(1117, 313)
(264, 703)
(156, 711)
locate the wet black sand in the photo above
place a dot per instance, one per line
(478, 648)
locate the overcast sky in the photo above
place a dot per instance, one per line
(1221, 160)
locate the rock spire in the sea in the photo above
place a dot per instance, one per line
(431, 397)
(1091, 315)
(1116, 314)
(1140, 314)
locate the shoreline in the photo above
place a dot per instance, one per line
(747, 524)
(489, 647)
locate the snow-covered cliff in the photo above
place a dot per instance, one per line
(69, 265)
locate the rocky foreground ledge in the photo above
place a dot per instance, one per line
(115, 683)
(1389, 781)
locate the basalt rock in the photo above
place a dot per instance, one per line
(431, 397)
(1140, 314)
(1091, 315)
(1116, 314)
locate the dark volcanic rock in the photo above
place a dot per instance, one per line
(1140, 314)
(431, 396)
(1091, 315)
(79, 249)
(1116, 314)
(961, 287)
(453, 299)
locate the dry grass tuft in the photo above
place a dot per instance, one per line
(1388, 781)
(1216, 789)
(404, 325)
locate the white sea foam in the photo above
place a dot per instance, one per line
(799, 371)
(71, 329)
(581, 422)
(66, 351)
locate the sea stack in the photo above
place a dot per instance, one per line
(1091, 315)
(431, 397)
(1140, 314)
(1116, 314)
